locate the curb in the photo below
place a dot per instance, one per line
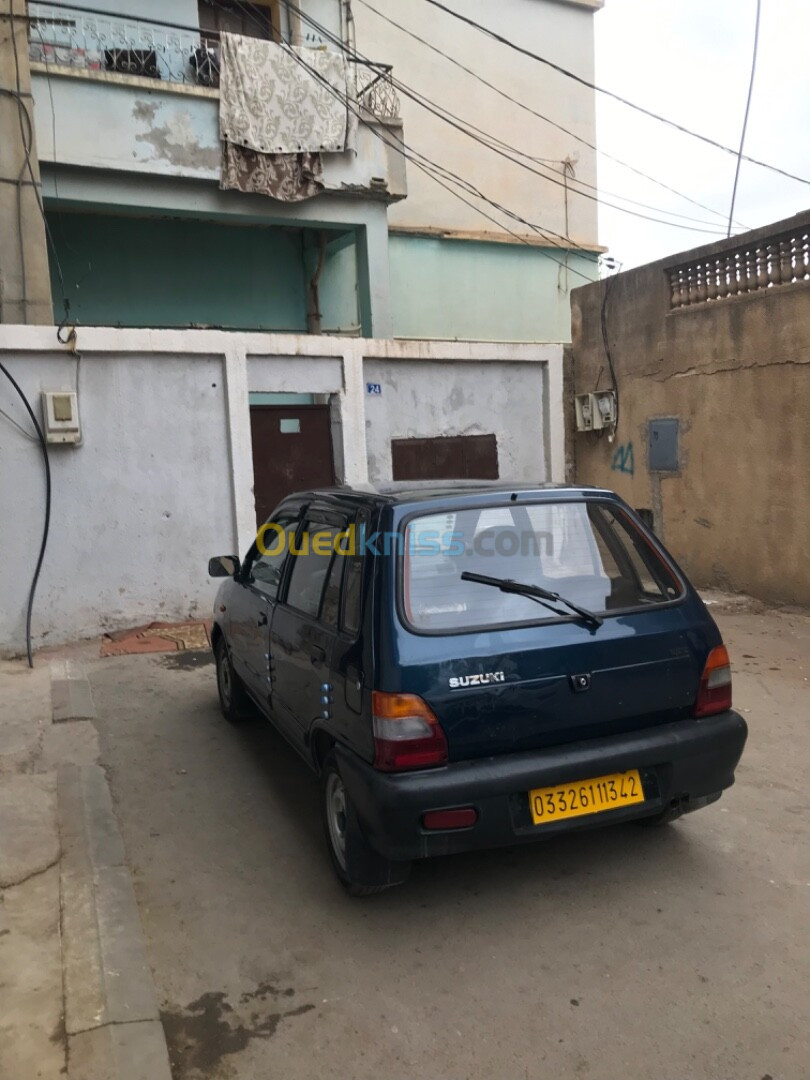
(112, 1021)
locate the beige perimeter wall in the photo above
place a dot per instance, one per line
(736, 372)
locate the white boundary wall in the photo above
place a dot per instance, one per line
(164, 476)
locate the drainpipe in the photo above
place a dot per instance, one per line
(294, 15)
(348, 31)
(25, 282)
(314, 317)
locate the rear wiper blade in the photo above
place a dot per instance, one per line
(520, 588)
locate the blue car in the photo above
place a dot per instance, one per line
(474, 665)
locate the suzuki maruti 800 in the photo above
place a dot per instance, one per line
(467, 666)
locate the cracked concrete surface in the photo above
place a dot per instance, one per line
(76, 994)
(29, 838)
(32, 1042)
(680, 953)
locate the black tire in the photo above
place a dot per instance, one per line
(359, 868)
(233, 698)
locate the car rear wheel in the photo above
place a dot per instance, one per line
(361, 871)
(233, 698)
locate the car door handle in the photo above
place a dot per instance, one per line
(318, 655)
(262, 618)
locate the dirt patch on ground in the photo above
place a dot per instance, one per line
(158, 637)
(187, 660)
(209, 1029)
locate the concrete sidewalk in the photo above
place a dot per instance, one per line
(76, 996)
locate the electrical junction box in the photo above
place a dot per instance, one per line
(663, 438)
(583, 404)
(596, 411)
(605, 408)
(60, 410)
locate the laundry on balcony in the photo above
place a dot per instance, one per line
(287, 177)
(280, 109)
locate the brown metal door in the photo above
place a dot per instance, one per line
(292, 451)
(463, 457)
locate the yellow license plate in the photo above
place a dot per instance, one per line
(585, 797)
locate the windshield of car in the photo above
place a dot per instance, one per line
(589, 552)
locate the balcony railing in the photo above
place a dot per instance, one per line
(68, 38)
(95, 43)
(375, 91)
(767, 264)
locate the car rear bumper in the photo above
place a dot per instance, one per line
(682, 764)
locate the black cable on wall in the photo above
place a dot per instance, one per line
(47, 522)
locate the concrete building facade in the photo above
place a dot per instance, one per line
(163, 477)
(441, 265)
(711, 350)
(225, 348)
(455, 270)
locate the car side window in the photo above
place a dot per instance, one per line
(352, 592)
(267, 568)
(311, 566)
(330, 608)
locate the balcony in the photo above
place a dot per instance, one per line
(152, 93)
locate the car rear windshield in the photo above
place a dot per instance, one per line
(589, 552)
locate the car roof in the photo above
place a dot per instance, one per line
(417, 491)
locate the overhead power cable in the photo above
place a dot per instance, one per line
(489, 140)
(431, 168)
(486, 139)
(426, 165)
(547, 119)
(609, 93)
(492, 142)
(745, 119)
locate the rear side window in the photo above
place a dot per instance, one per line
(352, 594)
(588, 552)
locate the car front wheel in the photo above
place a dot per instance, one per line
(360, 869)
(233, 698)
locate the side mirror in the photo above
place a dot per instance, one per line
(224, 566)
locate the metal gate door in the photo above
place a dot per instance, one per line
(292, 451)
(461, 457)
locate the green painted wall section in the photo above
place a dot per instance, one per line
(260, 398)
(340, 301)
(165, 272)
(442, 288)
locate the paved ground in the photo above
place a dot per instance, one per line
(679, 953)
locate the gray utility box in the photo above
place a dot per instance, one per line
(663, 445)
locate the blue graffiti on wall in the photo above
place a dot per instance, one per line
(623, 459)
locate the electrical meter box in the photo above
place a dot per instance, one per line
(583, 404)
(596, 411)
(605, 408)
(60, 410)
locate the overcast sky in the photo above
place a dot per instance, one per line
(690, 60)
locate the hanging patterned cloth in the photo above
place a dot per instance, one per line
(277, 116)
(287, 177)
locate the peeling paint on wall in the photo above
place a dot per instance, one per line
(174, 141)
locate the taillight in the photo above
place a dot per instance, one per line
(407, 734)
(463, 817)
(714, 695)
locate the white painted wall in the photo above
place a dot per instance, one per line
(423, 399)
(168, 129)
(137, 508)
(562, 31)
(163, 478)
